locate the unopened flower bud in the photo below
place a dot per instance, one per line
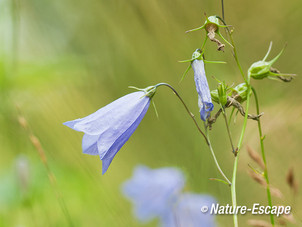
(222, 93)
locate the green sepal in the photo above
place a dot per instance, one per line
(214, 62)
(222, 93)
(149, 91)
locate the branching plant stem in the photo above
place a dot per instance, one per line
(228, 130)
(261, 138)
(206, 137)
(233, 187)
(247, 81)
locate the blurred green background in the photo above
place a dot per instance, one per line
(61, 60)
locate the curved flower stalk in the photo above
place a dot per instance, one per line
(153, 192)
(109, 128)
(156, 193)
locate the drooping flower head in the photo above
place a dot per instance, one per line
(204, 96)
(108, 129)
(153, 191)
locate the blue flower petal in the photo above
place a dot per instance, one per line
(107, 154)
(114, 138)
(204, 96)
(115, 117)
(108, 129)
(71, 124)
(153, 191)
(89, 144)
(205, 109)
(187, 211)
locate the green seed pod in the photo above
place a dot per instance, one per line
(262, 69)
(214, 96)
(212, 23)
(259, 70)
(211, 26)
(240, 92)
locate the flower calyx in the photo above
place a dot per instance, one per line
(149, 91)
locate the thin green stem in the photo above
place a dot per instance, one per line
(235, 54)
(228, 129)
(261, 138)
(186, 107)
(231, 115)
(222, 9)
(206, 137)
(247, 81)
(214, 157)
(233, 187)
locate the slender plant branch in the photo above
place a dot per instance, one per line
(206, 137)
(231, 115)
(222, 9)
(247, 81)
(228, 129)
(235, 54)
(214, 157)
(261, 138)
(233, 187)
(186, 107)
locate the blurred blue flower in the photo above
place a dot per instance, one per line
(157, 193)
(108, 129)
(204, 96)
(187, 212)
(153, 191)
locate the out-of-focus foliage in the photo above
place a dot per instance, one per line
(62, 60)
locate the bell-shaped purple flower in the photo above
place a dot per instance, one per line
(153, 191)
(204, 96)
(108, 129)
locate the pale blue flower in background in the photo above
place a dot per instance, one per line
(108, 129)
(204, 96)
(153, 191)
(187, 212)
(157, 193)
